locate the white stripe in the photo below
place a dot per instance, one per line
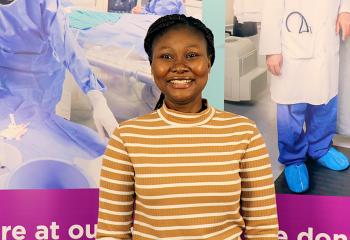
(148, 120)
(255, 137)
(100, 220)
(149, 128)
(209, 225)
(195, 164)
(115, 202)
(117, 150)
(185, 145)
(190, 174)
(113, 232)
(258, 198)
(256, 148)
(201, 154)
(116, 181)
(116, 192)
(256, 168)
(102, 210)
(261, 218)
(188, 205)
(262, 236)
(258, 188)
(117, 171)
(171, 136)
(257, 178)
(188, 237)
(187, 216)
(258, 208)
(117, 160)
(188, 195)
(188, 184)
(228, 126)
(262, 227)
(117, 138)
(255, 158)
(229, 118)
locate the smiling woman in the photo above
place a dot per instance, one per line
(186, 170)
(180, 67)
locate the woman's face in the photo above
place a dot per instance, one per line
(180, 67)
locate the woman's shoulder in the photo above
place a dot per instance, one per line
(230, 117)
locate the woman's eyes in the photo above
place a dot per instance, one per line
(168, 56)
(192, 55)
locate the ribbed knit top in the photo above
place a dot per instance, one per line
(187, 176)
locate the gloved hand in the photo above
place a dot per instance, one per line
(103, 117)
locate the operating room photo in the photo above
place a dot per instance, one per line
(71, 71)
(286, 68)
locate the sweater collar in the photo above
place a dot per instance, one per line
(174, 117)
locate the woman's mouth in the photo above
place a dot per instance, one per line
(180, 83)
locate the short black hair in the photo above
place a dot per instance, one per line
(167, 22)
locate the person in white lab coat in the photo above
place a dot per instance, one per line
(300, 39)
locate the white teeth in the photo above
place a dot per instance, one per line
(180, 81)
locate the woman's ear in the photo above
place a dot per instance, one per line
(209, 62)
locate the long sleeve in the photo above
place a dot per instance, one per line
(116, 192)
(258, 206)
(344, 6)
(66, 48)
(271, 26)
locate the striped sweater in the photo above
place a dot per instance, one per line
(186, 176)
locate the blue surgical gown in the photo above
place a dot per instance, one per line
(36, 47)
(165, 7)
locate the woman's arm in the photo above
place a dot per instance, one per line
(258, 204)
(116, 192)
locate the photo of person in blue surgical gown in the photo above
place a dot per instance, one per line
(301, 42)
(36, 48)
(161, 7)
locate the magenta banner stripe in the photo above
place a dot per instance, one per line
(312, 217)
(62, 208)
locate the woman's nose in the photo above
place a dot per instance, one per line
(179, 67)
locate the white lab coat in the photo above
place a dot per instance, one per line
(310, 70)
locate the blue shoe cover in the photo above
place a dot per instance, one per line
(334, 160)
(297, 177)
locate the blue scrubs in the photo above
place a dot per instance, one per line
(294, 142)
(165, 7)
(36, 47)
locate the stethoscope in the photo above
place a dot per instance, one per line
(304, 26)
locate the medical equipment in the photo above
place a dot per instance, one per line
(122, 6)
(10, 159)
(244, 79)
(194, 8)
(48, 174)
(304, 26)
(4, 2)
(115, 51)
(85, 19)
(248, 10)
(14, 131)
